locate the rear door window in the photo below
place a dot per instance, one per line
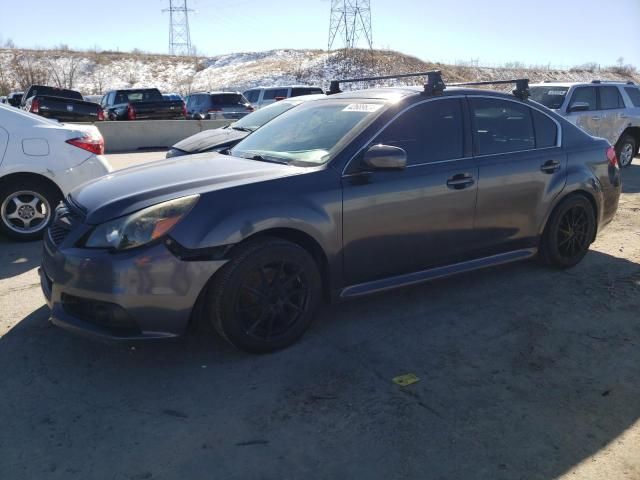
(252, 95)
(299, 91)
(227, 100)
(584, 95)
(501, 126)
(430, 132)
(610, 98)
(546, 130)
(274, 93)
(634, 95)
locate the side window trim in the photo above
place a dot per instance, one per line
(369, 142)
(558, 127)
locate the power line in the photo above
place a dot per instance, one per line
(350, 20)
(179, 34)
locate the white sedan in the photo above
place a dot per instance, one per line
(40, 162)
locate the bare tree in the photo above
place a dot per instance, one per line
(63, 70)
(28, 70)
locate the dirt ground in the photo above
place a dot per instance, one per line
(525, 373)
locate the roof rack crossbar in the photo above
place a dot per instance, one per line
(521, 91)
(434, 81)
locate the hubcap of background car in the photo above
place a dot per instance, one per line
(25, 212)
(572, 232)
(272, 299)
(626, 154)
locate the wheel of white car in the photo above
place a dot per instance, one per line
(626, 150)
(26, 208)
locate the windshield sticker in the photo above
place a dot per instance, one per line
(363, 107)
(557, 92)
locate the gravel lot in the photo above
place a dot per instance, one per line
(525, 373)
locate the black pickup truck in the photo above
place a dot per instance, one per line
(141, 104)
(60, 104)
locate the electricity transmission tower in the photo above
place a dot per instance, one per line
(350, 20)
(179, 35)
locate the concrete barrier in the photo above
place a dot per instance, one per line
(126, 136)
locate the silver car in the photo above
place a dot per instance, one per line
(263, 96)
(610, 110)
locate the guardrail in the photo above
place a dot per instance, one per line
(124, 136)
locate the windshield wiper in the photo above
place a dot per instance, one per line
(262, 158)
(242, 129)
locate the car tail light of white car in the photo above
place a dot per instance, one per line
(90, 142)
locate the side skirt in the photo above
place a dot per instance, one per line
(434, 273)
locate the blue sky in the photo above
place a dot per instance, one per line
(560, 32)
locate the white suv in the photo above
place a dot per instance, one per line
(262, 96)
(41, 161)
(609, 110)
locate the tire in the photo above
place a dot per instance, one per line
(626, 150)
(26, 208)
(254, 311)
(569, 233)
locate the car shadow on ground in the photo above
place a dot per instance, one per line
(631, 177)
(18, 257)
(524, 373)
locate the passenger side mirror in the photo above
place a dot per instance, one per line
(385, 157)
(579, 107)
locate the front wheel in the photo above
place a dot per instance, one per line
(26, 209)
(265, 298)
(626, 150)
(569, 232)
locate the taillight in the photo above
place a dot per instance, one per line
(131, 113)
(184, 109)
(250, 108)
(90, 143)
(280, 98)
(612, 157)
(35, 106)
(100, 114)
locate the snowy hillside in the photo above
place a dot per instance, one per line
(96, 72)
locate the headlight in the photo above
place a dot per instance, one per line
(141, 227)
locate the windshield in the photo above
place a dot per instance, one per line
(311, 133)
(550, 97)
(255, 120)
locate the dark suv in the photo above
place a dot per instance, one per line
(344, 196)
(217, 105)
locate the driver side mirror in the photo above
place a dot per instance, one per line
(578, 107)
(385, 157)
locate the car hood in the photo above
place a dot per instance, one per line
(132, 189)
(210, 139)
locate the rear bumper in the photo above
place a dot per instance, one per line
(145, 294)
(94, 167)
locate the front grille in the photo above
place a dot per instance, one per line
(67, 217)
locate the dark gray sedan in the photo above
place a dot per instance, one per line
(352, 194)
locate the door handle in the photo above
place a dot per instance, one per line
(550, 166)
(460, 181)
(596, 117)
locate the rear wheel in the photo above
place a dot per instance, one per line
(569, 232)
(265, 298)
(26, 208)
(626, 150)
